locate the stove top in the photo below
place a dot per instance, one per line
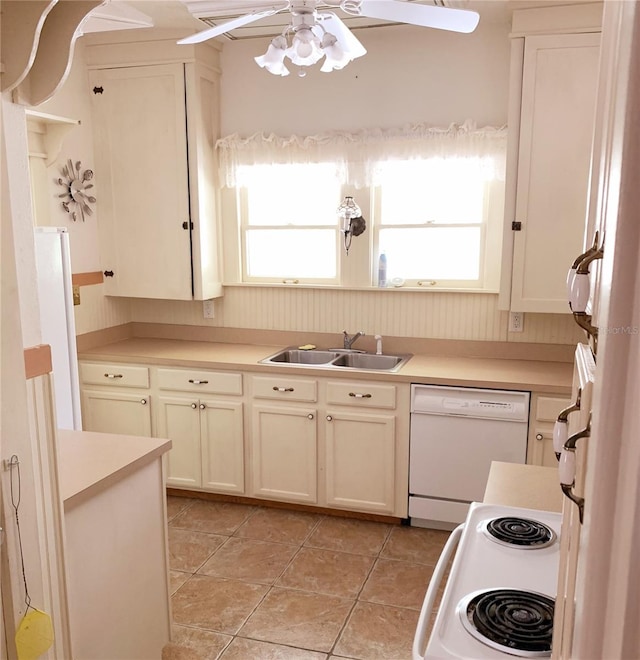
(499, 597)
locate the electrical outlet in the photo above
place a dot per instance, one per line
(207, 309)
(516, 321)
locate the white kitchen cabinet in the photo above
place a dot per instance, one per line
(548, 174)
(155, 125)
(544, 413)
(205, 427)
(115, 398)
(360, 461)
(284, 450)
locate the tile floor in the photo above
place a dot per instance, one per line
(258, 583)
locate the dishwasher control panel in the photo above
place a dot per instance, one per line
(470, 402)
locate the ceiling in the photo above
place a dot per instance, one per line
(199, 14)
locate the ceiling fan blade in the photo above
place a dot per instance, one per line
(347, 40)
(234, 23)
(443, 18)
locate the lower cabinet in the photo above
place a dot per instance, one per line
(360, 461)
(284, 454)
(126, 413)
(545, 409)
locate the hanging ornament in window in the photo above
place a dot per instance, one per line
(353, 224)
(75, 199)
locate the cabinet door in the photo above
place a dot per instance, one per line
(117, 412)
(284, 453)
(556, 133)
(179, 420)
(141, 168)
(222, 438)
(360, 457)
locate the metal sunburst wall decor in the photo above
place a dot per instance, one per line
(75, 199)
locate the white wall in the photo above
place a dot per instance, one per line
(409, 74)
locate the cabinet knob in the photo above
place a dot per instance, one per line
(203, 406)
(329, 418)
(310, 415)
(282, 389)
(143, 402)
(539, 436)
(194, 405)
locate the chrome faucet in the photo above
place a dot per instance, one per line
(349, 341)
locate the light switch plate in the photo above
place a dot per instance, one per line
(76, 294)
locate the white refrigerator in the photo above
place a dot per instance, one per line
(55, 295)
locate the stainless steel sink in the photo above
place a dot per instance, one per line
(296, 356)
(368, 361)
(337, 359)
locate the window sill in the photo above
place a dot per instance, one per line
(338, 287)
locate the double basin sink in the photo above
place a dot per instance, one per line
(338, 359)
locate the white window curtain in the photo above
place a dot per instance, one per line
(357, 156)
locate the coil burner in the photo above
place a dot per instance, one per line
(516, 622)
(521, 532)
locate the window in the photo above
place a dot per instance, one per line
(289, 225)
(436, 221)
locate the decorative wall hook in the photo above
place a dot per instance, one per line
(75, 200)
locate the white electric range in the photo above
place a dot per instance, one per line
(499, 597)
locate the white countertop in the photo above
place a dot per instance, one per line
(90, 462)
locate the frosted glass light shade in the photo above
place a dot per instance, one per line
(305, 48)
(273, 59)
(336, 58)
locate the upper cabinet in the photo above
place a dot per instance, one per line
(551, 124)
(155, 117)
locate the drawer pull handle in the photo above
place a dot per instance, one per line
(202, 406)
(114, 375)
(143, 402)
(198, 382)
(194, 405)
(539, 436)
(357, 395)
(282, 389)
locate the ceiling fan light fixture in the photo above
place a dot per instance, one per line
(335, 56)
(273, 59)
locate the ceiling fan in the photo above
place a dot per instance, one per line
(316, 31)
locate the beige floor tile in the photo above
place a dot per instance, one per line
(279, 525)
(250, 560)
(250, 649)
(200, 644)
(415, 544)
(300, 619)
(378, 632)
(399, 583)
(215, 603)
(188, 550)
(176, 505)
(177, 579)
(327, 572)
(213, 517)
(360, 537)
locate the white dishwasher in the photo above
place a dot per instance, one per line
(456, 432)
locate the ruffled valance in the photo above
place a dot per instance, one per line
(357, 156)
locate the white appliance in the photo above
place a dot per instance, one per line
(55, 295)
(456, 433)
(499, 598)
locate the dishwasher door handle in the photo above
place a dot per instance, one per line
(419, 640)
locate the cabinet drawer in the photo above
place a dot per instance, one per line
(207, 382)
(358, 393)
(548, 408)
(282, 387)
(118, 375)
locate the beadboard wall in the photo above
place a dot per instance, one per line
(431, 315)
